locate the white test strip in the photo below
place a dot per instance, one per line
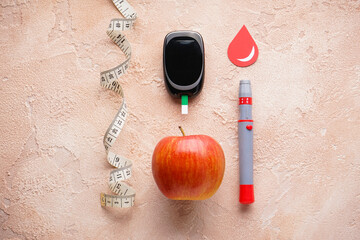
(184, 109)
(125, 194)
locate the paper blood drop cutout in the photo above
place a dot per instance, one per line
(243, 50)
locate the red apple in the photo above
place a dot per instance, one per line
(188, 167)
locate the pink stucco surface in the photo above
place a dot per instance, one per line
(53, 114)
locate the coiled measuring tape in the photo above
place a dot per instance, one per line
(108, 79)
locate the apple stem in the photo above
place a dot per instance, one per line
(182, 131)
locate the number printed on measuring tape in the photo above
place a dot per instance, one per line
(125, 195)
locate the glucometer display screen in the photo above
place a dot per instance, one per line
(183, 60)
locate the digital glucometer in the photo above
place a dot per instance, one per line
(184, 65)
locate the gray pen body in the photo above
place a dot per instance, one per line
(245, 135)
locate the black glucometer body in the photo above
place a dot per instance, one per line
(184, 63)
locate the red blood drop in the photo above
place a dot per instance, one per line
(243, 50)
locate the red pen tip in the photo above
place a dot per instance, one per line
(246, 194)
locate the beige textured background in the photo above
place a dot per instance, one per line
(53, 114)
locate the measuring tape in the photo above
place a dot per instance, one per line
(108, 79)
